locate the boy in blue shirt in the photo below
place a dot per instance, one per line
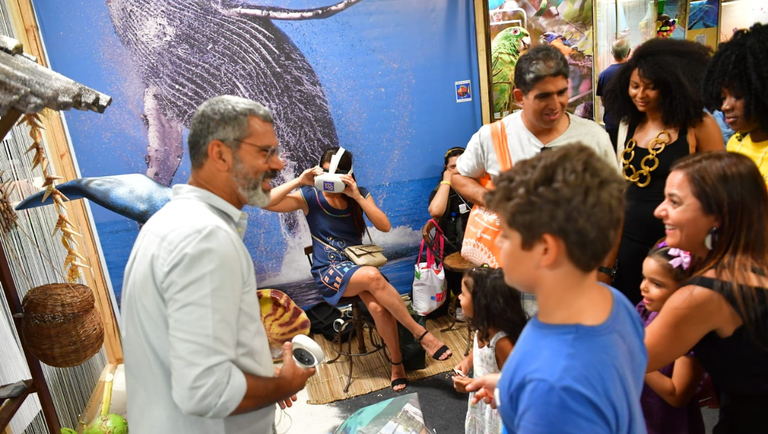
(579, 364)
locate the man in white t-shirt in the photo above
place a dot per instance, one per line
(541, 88)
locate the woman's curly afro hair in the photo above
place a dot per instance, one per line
(676, 68)
(741, 66)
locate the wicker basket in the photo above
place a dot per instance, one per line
(61, 325)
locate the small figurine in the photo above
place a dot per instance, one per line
(665, 26)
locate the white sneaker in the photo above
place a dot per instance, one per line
(460, 314)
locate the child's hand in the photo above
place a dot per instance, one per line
(464, 366)
(485, 396)
(485, 387)
(460, 383)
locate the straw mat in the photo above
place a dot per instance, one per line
(372, 372)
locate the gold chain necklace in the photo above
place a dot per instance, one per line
(628, 154)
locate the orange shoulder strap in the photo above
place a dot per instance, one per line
(499, 137)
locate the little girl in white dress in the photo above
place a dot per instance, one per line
(496, 313)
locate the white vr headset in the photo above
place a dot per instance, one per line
(331, 182)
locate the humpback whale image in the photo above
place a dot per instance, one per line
(135, 196)
(187, 51)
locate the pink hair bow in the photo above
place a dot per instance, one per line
(681, 259)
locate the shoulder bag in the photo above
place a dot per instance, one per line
(429, 289)
(366, 254)
(483, 226)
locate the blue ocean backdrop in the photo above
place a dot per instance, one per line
(388, 69)
(405, 204)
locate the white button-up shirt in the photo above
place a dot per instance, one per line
(192, 323)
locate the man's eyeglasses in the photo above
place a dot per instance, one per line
(272, 151)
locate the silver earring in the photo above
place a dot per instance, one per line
(711, 238)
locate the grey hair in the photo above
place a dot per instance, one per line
(620, 49)
(538, 63)
(222, 118)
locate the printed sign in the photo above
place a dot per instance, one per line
(463, 91)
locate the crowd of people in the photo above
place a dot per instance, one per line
(648, 258)
(682, 238)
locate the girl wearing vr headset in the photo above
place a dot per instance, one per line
(334, 213)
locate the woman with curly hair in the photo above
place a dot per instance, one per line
(656, 95)
(736, 82)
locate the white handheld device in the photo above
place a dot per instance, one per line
(306, 352)
(331, 182)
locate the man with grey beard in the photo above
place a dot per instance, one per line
(197, 358)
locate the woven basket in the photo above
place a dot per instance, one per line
(61, 325)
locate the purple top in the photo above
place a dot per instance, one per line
(660, 417)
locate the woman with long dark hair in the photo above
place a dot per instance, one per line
(336, 221)
(656, 94)
(714, 207)
(448, 207)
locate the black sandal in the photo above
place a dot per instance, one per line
(440, 351)
(399, 381)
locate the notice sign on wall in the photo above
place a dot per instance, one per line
(463, 91)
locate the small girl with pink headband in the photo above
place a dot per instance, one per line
(669, 394)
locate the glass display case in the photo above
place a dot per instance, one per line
(511, 27)
(741, 14)
(634, 20)
(703, 22)
(640, 20)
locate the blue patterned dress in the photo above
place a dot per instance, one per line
(332, 231)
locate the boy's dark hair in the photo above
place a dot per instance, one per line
(676, 68)
(661, 254)
(538, 63)
(569, 192)
(495, 304)
(741, 66)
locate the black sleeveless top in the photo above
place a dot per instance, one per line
(639, 223)
(738, 366)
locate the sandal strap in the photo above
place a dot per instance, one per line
(399, 381)
(422, 335)
(439, 353)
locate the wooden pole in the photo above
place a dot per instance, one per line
(40, 385)
(59, 155)
(483, 59)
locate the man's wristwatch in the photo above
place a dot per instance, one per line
(609, 271)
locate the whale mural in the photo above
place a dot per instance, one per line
(374, 76)
(183, 62)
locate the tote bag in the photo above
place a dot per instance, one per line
(429, 289)
(483, 226)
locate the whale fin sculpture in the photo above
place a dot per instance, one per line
(135, 196)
